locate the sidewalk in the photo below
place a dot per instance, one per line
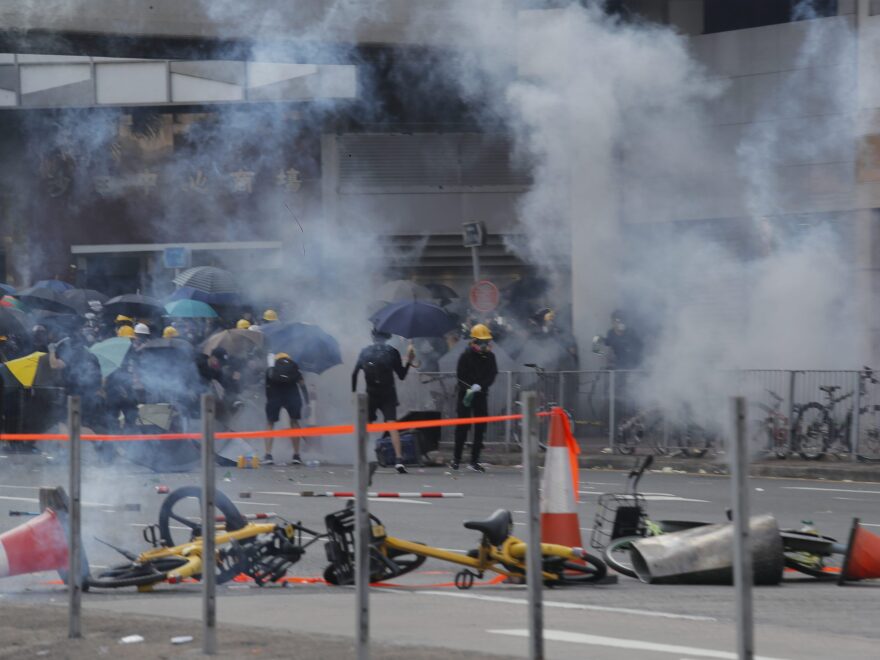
(592, 457)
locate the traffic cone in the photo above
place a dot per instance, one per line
(862, 560)
(559, 518)
(38, 545)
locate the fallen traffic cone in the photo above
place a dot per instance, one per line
(38, 545)
(862, 560)
(559, 519)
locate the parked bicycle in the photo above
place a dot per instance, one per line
(651, 428)
(820, 430)
(546, 403)
(773, 427)
(498, 552)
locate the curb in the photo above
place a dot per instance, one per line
(781, 469)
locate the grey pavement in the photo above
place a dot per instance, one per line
(800, 619)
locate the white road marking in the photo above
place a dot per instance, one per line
(572, 606)
(34, 499)
(832, 490)
(255, 503)
(20, 487)
(303, 485)
(671, 498)
(621, 643)
(399, 500)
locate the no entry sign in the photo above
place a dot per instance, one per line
(484, 296)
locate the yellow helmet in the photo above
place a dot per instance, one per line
(125, 331)
(243, 324)
(480, 331)
(170, 332)
(124, 319)
(282, 356)
(270, 315)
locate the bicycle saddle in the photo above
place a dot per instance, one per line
(829, 388)
(496, 527)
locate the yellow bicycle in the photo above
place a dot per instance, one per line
(499, 552)
(263, 551)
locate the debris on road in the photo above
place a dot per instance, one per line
(132, 507)
(131, 639)
(245, 495)
(163, 490)
(183, 639)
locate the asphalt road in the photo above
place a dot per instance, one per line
(800, 619)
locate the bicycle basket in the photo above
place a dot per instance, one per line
(618, 514)
(340, 547)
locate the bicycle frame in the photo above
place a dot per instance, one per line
(510, 554)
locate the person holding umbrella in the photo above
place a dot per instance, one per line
(476, 372)
(380, 362)
(283, 382)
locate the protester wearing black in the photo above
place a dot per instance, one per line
(81, 376)
(624, 342)
(380, 362)
(284, 384)
(476, 372)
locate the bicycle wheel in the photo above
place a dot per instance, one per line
(173, 508)
(406, 561)
(135, 575)
(617, 555)
(569, 572)
(812, 429)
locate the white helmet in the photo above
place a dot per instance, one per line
(141, 329)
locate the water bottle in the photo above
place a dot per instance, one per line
(313, 463)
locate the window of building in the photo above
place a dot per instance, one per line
(725, 15)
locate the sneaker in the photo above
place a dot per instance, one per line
(400, 467)
(476, 467)
(268, 460)
(296, 460)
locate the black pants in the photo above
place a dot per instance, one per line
(479, 408)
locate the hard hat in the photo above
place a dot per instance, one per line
(243, 324)
(281, 356)
(170, 332)
(141, 329)
(124, 319)
(270, 315)
(125, 331)
(480, 331)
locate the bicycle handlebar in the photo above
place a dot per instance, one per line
(636, 473)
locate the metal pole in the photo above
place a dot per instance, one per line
(612, 436)
(791, 389)
(209, 597)
(534, 571)
(742, 551)
(362, 530)
(508, 425)
(855, 427)
(74, 567)
(475, 260)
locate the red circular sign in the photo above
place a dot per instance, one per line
(484, 296)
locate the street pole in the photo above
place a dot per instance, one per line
(534, 572)
(209, 597)
(475, 260)
(612, 431)
(362, 530)
(74, 568)
(742, 551)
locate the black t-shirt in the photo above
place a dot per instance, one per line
(283, 379)
(379, 362)
(627, 349)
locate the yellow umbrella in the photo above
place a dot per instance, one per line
(25, 369)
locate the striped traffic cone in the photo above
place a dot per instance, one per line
(559, 518)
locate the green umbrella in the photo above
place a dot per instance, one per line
(190, 309)
(110, 353)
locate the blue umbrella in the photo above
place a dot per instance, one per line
(413, 319)
(7, 289)
(189, 293)
(111, 353)
(56, 285)
(190, 309)
(308, 345)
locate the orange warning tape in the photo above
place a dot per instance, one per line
(343, 429)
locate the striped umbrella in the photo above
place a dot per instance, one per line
(208, 279)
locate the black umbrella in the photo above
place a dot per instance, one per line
(445, 294)
(43, 298)
(12, 322)
(413, 319)
(402, 290)
(208, 279)
(308, 345)
(134, 304)
(64, 323)
(80, 299)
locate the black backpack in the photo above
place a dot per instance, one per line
(378, 369)
(285, 372)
